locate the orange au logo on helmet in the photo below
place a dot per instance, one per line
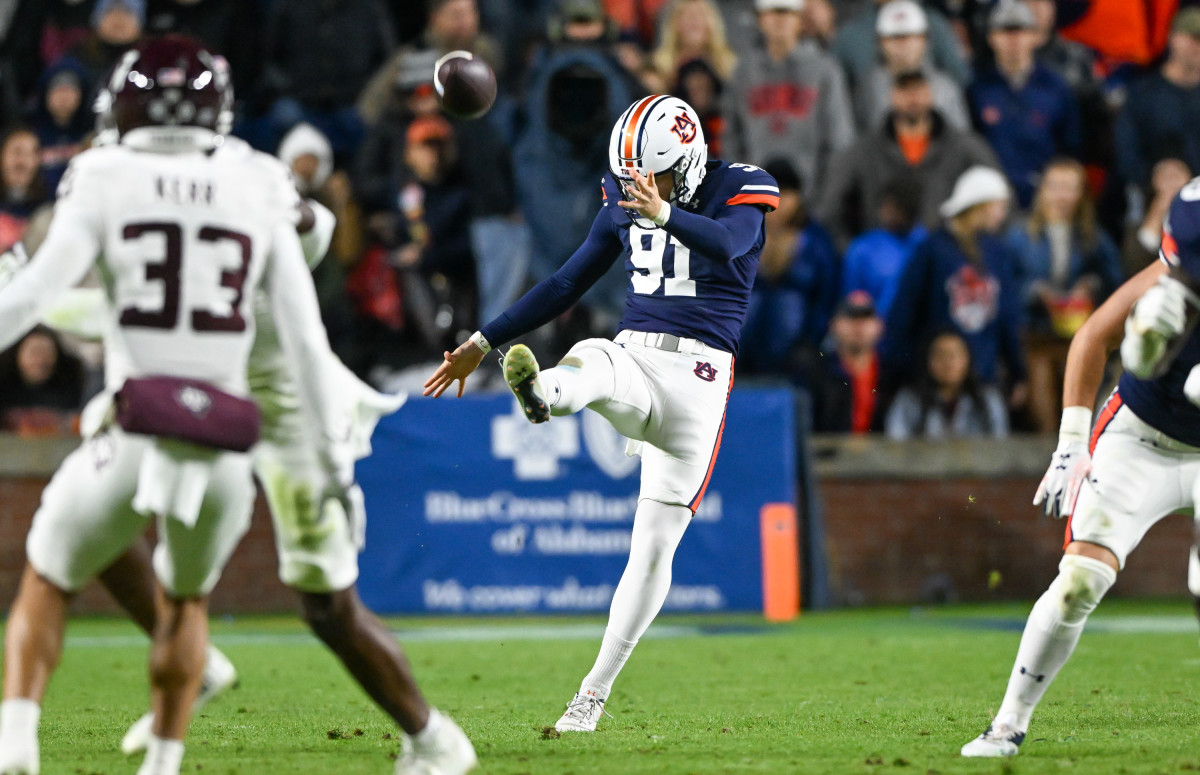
(685, 128)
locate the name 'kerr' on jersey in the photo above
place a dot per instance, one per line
(1160, 402)
(185, 242)
(674, 289)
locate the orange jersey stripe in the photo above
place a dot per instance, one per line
(1170, 248)
(770, 200)
(631, 127)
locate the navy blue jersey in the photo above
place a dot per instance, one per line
(691, 277)
(1160, 402)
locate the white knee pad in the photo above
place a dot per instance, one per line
(1080, 585)
(612, 359)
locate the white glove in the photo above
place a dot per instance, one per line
(1070, 465)
(1191, 387)
(1162, 309)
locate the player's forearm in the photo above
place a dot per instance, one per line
(1100, 336)
(61, 262)
(721, 239)
(558, 292)
(543, 303)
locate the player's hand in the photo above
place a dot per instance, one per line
(457, 366)
(1191, 386)
(1069, 469)
(646, 202)
(1162, 309)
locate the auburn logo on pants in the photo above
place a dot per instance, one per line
(705, 371)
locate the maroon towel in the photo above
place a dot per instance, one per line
(188, 410)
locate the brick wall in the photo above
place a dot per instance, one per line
(906, 540)
(250, 583)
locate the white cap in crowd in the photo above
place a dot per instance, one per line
(762, 6)
(977, 185)
(901, 17)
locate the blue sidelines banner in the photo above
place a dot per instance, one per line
(473, 509)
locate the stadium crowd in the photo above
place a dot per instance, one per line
(961, 183)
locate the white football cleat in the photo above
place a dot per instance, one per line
(521, 373)
(19, 759)
(582, 714)
(219, 675)
(19, 763)
(998, 740)
(449, 752)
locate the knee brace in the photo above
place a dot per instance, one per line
(1080, 585)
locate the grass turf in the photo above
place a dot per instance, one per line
(881, 691)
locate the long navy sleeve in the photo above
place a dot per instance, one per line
(555, 295)
(724, 238)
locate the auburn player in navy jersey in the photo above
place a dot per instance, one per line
(1139, 463)
(690, 231)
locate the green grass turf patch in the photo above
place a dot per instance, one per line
(869, 691)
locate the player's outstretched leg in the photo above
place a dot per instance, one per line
(130, 580)
(1194, 570)
(32, 648)
(375, 659)
(657, 530)
(1051, 633)
(176, 667)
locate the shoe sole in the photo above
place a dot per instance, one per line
(991, 752)
(521, 372)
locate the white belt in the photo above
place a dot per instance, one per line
(668, 342)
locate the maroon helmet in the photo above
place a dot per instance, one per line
(169, 83)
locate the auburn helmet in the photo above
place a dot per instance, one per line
(168, 93)
(659, 134)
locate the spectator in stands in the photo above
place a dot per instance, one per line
(1073, 62)
(787, 100)
(693, 30)
(318, 56)
(948, 400)
(843, 381)
(637, 20)
(22, 187)
(309, 155)
(116, 26)
(229, 27)
(1143, 242)
(1067, 264)
(1028, 114)
(796, 288)
(42, 33)
(41, 387)
(1067, 267)
(916, 142)
(874, 260)
(855, 45)
(434, 252)
(1161, 114)
(961, 278)
(903, 41)
(701, 87)
(453, 26)
(576, 89)
(61, 119)
(819, 23)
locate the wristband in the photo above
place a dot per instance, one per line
(664, 213)
(480, 342)
(1076, 424)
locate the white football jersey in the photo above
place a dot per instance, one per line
(184, 241)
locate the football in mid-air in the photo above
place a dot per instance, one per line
(465, 83)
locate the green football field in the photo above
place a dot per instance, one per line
(879, 691)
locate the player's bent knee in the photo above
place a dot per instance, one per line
(1081, 584)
